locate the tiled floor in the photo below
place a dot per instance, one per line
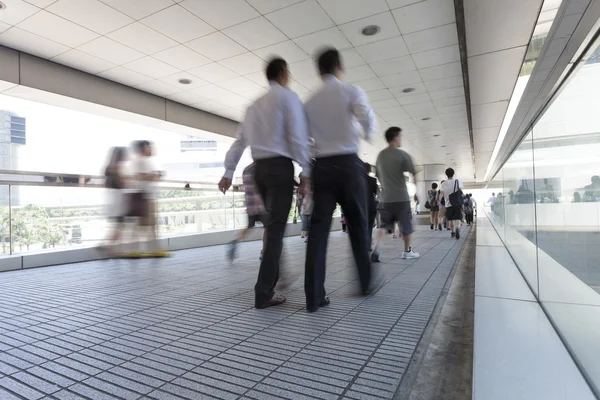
(184, 328)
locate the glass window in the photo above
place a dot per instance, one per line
(517, 200)
(18, 120)
(18, 140)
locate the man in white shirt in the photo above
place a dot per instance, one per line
(492, 201)
(146, 175)
(338, 174)
(275, 129)
(451, 190)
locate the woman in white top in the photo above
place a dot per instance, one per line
(452, 191)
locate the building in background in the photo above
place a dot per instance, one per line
(13, 135)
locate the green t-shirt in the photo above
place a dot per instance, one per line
(392, 163)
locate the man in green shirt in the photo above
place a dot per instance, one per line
(392, 163)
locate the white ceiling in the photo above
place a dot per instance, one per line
(498, 34)
(222, 46)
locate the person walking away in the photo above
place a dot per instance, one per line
(115, 182)
(372, 192)
(433, 197)
(453, 196)
(338, 174)
(468, 207)
(254, 208)
(275, 129)
(492, 202)
(146, 175)
(392, 163)
(305, 213)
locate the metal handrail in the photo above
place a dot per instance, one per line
(95, 181)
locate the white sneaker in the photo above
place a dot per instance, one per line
(407, 255)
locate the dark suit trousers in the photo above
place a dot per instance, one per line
(336, 179)
(274, 179)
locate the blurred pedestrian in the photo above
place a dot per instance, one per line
(392, 163)
(255, 209)
(338, 174)
(275, 129)
(146, 174)
(115, 182)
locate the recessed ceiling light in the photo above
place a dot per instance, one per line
(408, 90)
(443, 145)
(370, 30)
(2, 6)
(426, 118)
(436, 135)
(185, 81)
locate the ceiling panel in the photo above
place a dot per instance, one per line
(30, 43)
(267, 6)
(342, 11)
(125, 76)
(288, 50)
(216, 46)
(430, 39)
(17, 12)
(142, 38)
(138, 9)
(301, 19)
(383, 50)
(431, 58)
(178, 23)
(92, 14)
(214, 73)
(183, 57)
(244, 64)
(83, 62)
(151, 67)
(331, 37)
(503, 66)
(394, 66)
(255, 34)
(424, 15)
(512, 22)
(221, 14)
(110, 50)
(57, 29)
(41, 3)
(489, 114)
(441, 71)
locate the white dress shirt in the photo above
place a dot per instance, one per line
(274, 126)
(335, 115)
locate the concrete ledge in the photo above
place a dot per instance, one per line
(10, 263)
(69, 256)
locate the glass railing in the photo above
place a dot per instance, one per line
(49, 211)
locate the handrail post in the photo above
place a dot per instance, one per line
(10, 235)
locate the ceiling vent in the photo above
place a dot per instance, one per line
(370, 30)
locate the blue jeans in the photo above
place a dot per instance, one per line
(305, 222)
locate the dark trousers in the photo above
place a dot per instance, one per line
(274, 179)
(372, 215)
(337, 179)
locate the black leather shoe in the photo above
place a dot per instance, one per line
(324, 303)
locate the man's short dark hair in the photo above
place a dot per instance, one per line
(140, 145)
(276, 68)
(434, 185)
(449, 173)
(329, 61)
(392, 133)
